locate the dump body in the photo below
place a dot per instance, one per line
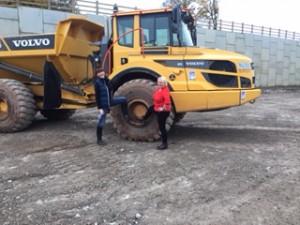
(67, 50)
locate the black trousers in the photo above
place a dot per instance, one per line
(161, 119)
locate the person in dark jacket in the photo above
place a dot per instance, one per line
(104, 100)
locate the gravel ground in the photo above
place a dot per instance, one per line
(238, 166)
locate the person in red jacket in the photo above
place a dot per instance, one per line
(161, 107)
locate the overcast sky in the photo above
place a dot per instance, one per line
(278, 14)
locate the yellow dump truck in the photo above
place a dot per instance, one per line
(53, 73)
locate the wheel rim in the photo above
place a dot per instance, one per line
(3, 107)
(138, 108)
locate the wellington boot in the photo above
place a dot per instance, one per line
(163, 146)
(99, 136)
(101, 142)
(126, 117)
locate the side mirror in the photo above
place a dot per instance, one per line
(176, 14)
(176, 22)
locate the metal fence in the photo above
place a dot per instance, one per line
(60, 5)
(251, 29)
(97, 7)
(72, 6)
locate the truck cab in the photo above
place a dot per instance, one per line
(151, 43)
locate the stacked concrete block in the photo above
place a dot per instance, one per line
(277, 61)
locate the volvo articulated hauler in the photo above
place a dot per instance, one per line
(53, 73)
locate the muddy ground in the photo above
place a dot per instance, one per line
(239, 166)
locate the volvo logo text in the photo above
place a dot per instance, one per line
(31, 42)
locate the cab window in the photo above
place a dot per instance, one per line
(156, 29)
(125, 25)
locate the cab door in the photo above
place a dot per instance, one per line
(157, 43)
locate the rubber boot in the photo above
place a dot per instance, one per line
(125, 110)
(148, 113)
(163, 146)
(99, 136)
(150, 110)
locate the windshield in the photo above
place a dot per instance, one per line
(157, 31)
(186, 39)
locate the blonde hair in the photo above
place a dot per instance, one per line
(163, 80)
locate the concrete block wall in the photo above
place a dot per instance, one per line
(26, 20)
(277, 61)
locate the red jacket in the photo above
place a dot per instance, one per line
(161, 98)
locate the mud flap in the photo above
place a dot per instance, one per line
(52, 84)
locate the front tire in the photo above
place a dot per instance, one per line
(139, 97)
(17, 106)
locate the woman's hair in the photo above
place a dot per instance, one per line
(163, 80)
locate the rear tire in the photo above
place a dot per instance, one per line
(17, 106)
(139, 97)
(57, 114)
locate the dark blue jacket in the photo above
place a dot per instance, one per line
(103, 91)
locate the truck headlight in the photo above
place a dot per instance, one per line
(244, 65)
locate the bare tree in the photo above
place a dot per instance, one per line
(65, 5)
(210, 11)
